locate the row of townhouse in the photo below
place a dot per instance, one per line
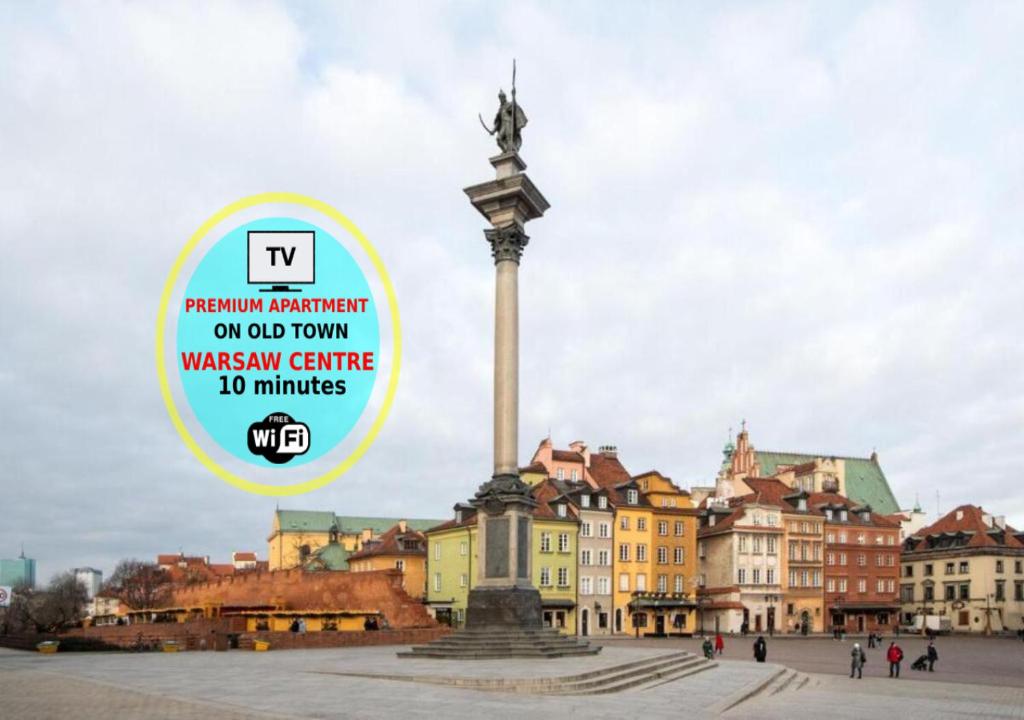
(781, 559)
(611, 553)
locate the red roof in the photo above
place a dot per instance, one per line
(566, 456)
(971, 520)
(608, 472)
(243, 556)
(392, 542)
(545, 493)
(536, 467)
(879, 520)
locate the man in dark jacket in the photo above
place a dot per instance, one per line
(933, 655)
(760, 649)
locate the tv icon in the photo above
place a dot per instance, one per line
(280, 258)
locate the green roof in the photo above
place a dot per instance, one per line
(865, 481)
(321, 521)
(330, 557)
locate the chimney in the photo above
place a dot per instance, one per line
(401, 526)
(874, 457)
(581, 447)
(609, 451)
(1000, 521)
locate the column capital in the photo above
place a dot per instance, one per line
(507, 243)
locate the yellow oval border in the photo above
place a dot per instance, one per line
(161, 325)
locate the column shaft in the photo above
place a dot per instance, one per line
(506, 368)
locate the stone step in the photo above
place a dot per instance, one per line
(653, 679)
(507, 644)
(500, 654)
(616, 679)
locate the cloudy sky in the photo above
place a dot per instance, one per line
(805, 215)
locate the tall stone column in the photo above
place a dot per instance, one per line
(504, 595)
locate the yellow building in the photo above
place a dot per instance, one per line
(399, 547)
(554, 547)
(451, 565)
(297, 534)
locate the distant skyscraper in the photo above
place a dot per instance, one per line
(19, 571)
(91, 578)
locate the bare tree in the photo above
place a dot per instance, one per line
(139, 584)
(60, 606)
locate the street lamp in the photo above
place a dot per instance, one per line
(770, 600)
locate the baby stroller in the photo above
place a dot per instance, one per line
(920, 664)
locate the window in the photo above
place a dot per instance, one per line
(999, 566)
(742, 543)
(756, 518)
(879, 559)
(437, 551)
(803, 578)
(965, 591)
(842, 585)
(604, 530)
(603, 586)
(563, 542)
(862, 559)
(816, 575)
(771, 545)
(437, 582)
(842, 558)
(828, 513)
(545, 542)
(929, 593)
(663, 583)
(862, 585)
(585, 557)
(950, 592)
(624, 582)
(861, 538)
(460, 615)
(792, 549)
(679, 528)
(677, 586)
(602, 558)
(701, 550)
(890, 585)
(907, 593)
(662, 555)
(772, 520)
(804, 527)
(830, 538)
(842, 537)
(830, 585)
(602, 502)
(830, 558)
(770, 576)
(624, 522)
(1018, 591)
(562, 511)
(792, 578)
(586, 586)
(908, 571)
(757, 576)
(585, 529)
(545, 577)
(623, 552)
(575, 475)
(949, 568)
(584, 499)
(880, 586)
(662, 527)
(560, 473)
(928, 569)
(963, 567)
(641, 552)
(463, 548)
(463, 580)
(890, 559)
(756, 543)
(1018, 566)
(641, 523)
(641, 582)
(741, 576)
(400, 565)
(563, 577)
(632, 497)
(677, 556)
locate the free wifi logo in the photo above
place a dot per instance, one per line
(278, 438)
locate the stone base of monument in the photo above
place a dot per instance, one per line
(503, 623)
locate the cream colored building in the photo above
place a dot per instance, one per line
(968, 567)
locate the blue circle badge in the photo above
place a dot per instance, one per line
(278, 342)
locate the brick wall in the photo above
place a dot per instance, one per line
(297, 589)
(293, 641)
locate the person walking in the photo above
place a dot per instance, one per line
(709, 650)
(719, 644)
(933, 655)
(895, 656)
(760, 649)
(871, 640)
(857, 660)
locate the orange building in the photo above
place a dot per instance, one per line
(401, 548)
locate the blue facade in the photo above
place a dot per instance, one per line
(19, 571)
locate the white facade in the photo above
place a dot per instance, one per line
(91, 578)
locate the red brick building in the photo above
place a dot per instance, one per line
(862, 565)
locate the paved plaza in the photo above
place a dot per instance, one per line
(311, 684)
